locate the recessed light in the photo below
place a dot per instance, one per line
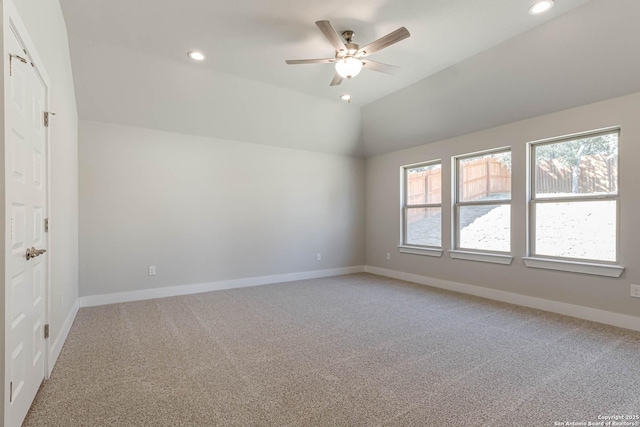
(194, 54)
(541, 7)
(346, 97)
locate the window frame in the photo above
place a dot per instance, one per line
(405, 206)
(457, 204)
(533, 200)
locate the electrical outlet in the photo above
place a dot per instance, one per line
(319, 257)
(152, 270)
(388, 255)
(635, 291)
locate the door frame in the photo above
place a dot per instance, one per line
(12, 23)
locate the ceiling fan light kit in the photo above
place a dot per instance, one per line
(348, 67)
(349, 57)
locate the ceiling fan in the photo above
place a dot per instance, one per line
(350, 58)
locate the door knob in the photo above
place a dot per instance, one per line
(33, 252)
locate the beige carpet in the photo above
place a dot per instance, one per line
(356, 350)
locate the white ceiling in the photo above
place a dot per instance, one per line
(252, 38)
(587, 55)
(468, 65)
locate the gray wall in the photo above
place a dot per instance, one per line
(204, 209)
(383, 208)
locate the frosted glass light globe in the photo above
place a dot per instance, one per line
(348, 67)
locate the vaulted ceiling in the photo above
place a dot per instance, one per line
(249, 40)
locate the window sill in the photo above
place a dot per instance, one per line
(415, 250)
(482, 257)
(574, 266)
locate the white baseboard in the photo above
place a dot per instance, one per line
(56, 346)
(581, 312)
(94, 300)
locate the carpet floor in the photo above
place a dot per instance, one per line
(356, 350)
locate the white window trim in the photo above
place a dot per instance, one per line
(574, 266)
(481, 257)
(595, 267)
(404, 207)
(467, 253)
(420, 250)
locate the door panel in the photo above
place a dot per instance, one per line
(18, 288)
(18, 225)
(18, 87)
(36, 336)
(17, 156)
(18, 379)
(38, 220)
(37, 169)
(38, 284)
(26, 200)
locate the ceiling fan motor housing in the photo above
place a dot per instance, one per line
(348, 35)
(352, 48)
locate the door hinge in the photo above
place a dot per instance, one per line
(11, 392)
(46, 331)
(46, 225)
(46, 118)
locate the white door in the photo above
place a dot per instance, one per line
(26, 197)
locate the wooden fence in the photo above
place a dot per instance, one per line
(596, 174)
(480, 178)
(483, 177)
(425, 187)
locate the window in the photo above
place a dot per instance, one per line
(482, 210)
(574, 198)
(422, 205)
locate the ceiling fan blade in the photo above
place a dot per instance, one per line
(331, 35)
(310, 61)
(391, 38)
(379, 66)
(337, 79)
